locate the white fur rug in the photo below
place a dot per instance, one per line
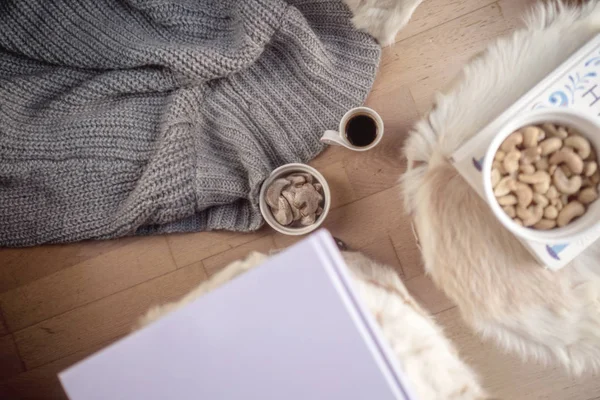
(428, 359)
(502, 293)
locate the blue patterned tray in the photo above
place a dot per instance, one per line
(575, 84)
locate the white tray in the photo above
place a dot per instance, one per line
(575, 84)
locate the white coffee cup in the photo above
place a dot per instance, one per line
(340, 138)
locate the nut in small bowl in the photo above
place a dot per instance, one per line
(295, 199)
(541, 175)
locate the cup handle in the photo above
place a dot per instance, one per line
(332, 138)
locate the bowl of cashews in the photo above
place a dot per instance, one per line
(541, 175)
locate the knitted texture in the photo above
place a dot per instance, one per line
(140, 117)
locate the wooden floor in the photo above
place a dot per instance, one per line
(62, 303)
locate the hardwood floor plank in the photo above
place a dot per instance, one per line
(406, 247)
(3, 327)
(331, 155)
(21, 266)
(102, 320)
(359, 222)
(10, 362)
(380, 168)
(188, 248)
(428, 295)
(100, 276)
(432, 13)
(506, 377)
(428, 61)
(382, 250)
(514, 10)
(216, 263)
(42, 382)
(339, 184)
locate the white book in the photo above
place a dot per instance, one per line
(292, 329)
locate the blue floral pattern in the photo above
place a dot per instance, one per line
(574, 85)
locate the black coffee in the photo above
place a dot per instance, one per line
(361, 130)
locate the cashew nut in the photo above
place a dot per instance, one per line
(532, 135)
(524, 194)
(542, 187)
(511, 161)
(518, 221)
(498, 165)
(510, 211)
(550, 145)
(531, 155)
(557, 203)
(587, 195)
(537, 177)
(499, 155)
(531, 215)
(566, 171)
(589, 168)
(571, 211)
(573, 161)
(595, 178)
(545, 224)
(511, 142)
(550, 212)
(540, 199)
(566, 185)
(552, 131)
(495, 177)
(527, 169)
(552, 192)
(542, 164)
(507, 200)
(580, 144)
(505, 186)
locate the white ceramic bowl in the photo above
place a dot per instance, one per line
(286, 170)
(588, 127)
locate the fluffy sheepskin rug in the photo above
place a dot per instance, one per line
(433, 368)
(502, 293)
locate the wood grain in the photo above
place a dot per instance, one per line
(506, 377)
(100, 276)
(380, 168)
(432, 13)
(45, 260)
(42, 382)
(382, 250)
(426, 62)
(10, 362)
(341, 189)
(215, 263)
(406, 247)
(361, 221)
(514, 11)
(3, 327)
(429, 296)
(192, 247)
(102, 320)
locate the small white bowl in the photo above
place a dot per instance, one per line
(583, 123)
(286, 170)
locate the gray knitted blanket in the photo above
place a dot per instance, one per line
(122, 117)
